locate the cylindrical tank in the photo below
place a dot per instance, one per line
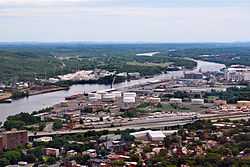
(129, 99)
(129, 94)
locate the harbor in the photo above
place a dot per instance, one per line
(41, 101)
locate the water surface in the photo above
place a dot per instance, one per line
(38, 102)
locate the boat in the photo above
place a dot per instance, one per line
(6, 101)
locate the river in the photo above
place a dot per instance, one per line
(38, 102)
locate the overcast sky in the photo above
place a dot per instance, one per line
(125, 20)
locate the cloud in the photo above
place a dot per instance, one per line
(158, 20)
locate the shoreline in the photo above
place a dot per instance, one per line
(5, 96)
(47, 100)
(48, 91)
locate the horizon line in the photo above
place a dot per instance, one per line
(126, 42)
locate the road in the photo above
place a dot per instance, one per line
(155, 123)
(139, 126)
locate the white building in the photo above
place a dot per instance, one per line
(129, 94)
(44, 139)
(149, 135)
(197, 101)
(117, 94)
(96, 96)
(108, 97)
(237, 73)
(128, 99)
(154, 100)
(175, 101)
(156, 135)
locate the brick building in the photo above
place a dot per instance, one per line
(52, 152)
(1, 144)
(12, 139)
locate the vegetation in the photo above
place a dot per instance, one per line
(27, 62)
(19, 121)
(226, 154)
(232, 95)
(58, 124)
(145, 108)
(16, 94)
(12, 156)
(228, 55)
(48, 109)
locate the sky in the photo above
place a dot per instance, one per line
(125, 20)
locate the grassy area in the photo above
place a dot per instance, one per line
(172, 107)
(146, 108)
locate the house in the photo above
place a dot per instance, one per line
(44, 139)
(51, 152)
(71, 153)
(91, 153)
(95, 162)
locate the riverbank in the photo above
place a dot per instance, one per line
(5, 96)
(38, 92)
(38, 102)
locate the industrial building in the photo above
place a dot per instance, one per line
(237, 73)
(197, 101)
(193, 75)
(175, 100)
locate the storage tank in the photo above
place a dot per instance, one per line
(92, 99)
(108, 97)
(129, 94)
(128, 99)
(94, 95)
(175, 100)
(98, 96)
(117, 94)
(101, 92)
(91, 94)
(154, 99)
(197, 101)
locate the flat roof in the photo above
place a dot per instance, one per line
(156, 134)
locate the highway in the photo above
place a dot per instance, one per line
(136, 126)
(153, 123)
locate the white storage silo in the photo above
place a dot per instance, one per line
(129, 94)
(175, 100)
(108, 97)
(128, 99)
(117, 94)
(197, 101)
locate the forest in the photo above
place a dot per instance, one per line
(27, 61)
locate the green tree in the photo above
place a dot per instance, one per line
(30, 158)
(10, 124)
(51, 160)
(42, 125)
(58, 124)
(36, 152)
(4, 162)
(13, 156)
